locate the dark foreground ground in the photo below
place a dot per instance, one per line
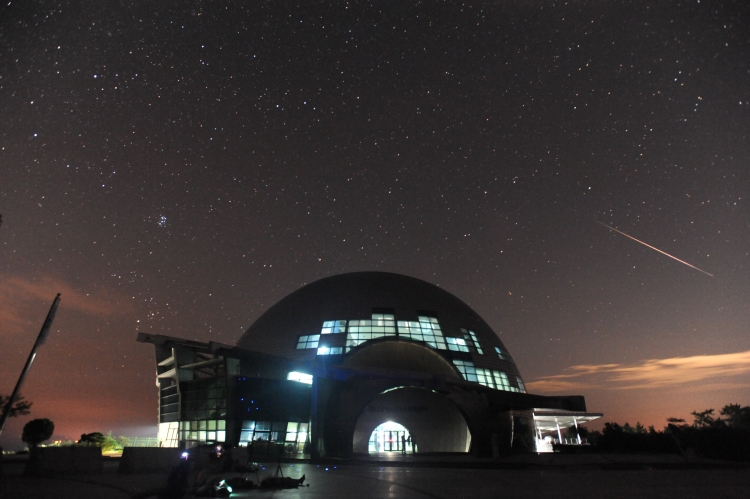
(558, 476)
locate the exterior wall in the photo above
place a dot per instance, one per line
(499, 422)
(417, 388)
(433, 421)
(357, 296)
(168, 435)
(268, 400)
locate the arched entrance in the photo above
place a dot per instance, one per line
(433, 422)
(390, 437)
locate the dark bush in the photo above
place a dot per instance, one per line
(37, 431)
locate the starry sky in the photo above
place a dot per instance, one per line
(177, 168)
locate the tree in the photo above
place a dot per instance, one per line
(37, 431)
(95, 438)
(737, 416)
(20, 407)
(704, 419)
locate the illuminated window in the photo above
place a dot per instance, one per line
(333, 327)
(292, 434)
(296, 433)
(360, 331)
(501, 354)
(427, 329)
(301, 377)
(308, 341)
(492, 379)
(501, 380)
(484, 377)
(472, 340)
(330, 350)
(456, 344)
(520, 384)
(467, 369)
(203, 431)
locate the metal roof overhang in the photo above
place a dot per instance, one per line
(552, 419)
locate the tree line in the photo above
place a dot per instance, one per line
(726, 436)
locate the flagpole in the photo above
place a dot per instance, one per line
(40, 339)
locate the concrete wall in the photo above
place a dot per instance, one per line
(64, 460)
(148, 459)
(433, 421)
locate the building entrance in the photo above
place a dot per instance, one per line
(390, 437)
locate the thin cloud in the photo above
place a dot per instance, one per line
(21, 299)
(677, 372)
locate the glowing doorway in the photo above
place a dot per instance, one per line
(390, 437)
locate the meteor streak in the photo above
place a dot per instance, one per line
(655, 249)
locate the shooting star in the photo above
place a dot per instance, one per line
(655, 249)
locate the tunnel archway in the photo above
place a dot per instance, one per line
(433, 422)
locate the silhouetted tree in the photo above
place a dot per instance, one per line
(37, 431)
(96, 438)
(20, 407)
(705, 419)
(737, 416)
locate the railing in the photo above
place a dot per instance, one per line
(140, 442)
(570, 441)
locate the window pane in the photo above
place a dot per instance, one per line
(248, 425)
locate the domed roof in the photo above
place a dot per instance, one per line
(357, 298)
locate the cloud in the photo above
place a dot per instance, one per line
(686, 373)
(24, 302)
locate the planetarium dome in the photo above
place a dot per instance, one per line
(383, 320)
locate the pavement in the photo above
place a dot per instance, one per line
(437, 477)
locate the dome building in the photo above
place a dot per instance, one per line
(358, 363)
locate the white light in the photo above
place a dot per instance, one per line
(300, 377)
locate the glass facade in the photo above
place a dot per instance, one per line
(360, 331)
(204, 399)
(202, 431)
(487, 377)
(333, 327)
(520, 384)
(427, 329)
(293, 435)
(330, 350)
(308, 341)
(457, 344)
(472, 340)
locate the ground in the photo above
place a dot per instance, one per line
(579, 477)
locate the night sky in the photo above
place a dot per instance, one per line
(177, 169)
